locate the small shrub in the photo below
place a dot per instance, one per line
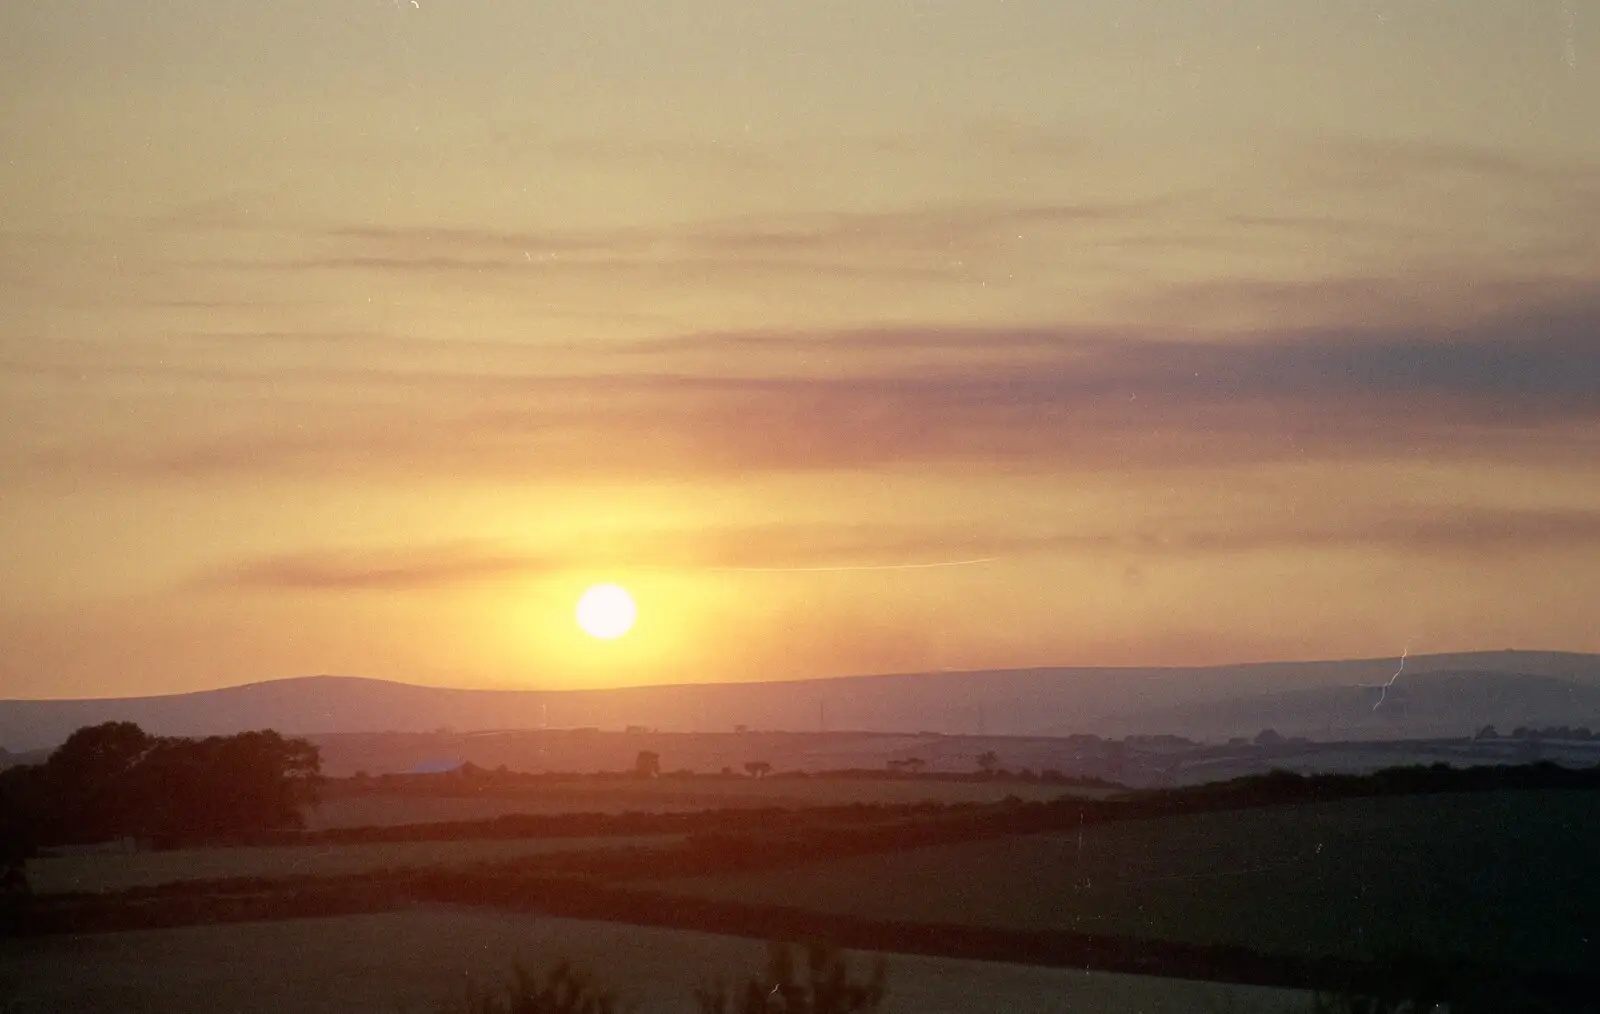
(564, 989)
(828, 989)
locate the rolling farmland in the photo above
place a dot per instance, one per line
(414, 960)
(1358, 878)
(660, 795)
(99, 873)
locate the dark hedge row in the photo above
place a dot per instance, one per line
(896, 825)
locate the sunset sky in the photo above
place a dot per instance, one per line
(360, 337)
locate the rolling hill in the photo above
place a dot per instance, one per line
(1451, 703)
(1435, 695)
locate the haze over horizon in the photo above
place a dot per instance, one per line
(1428, 697)
(1286, 674)
(848, 337)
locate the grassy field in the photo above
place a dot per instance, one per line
(145, 869)
(660, 795)
(1504, 876)
(412, 961)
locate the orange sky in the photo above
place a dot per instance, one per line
(361, 337)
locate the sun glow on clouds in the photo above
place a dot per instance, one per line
(1183, 323)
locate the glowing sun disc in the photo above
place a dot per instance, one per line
(605, 611)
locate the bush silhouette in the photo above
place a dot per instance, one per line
(828, 989)
(564, 989)
(647, 764)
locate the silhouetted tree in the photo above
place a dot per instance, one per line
(19, 809)
(647, 764)
(16, 843)
(112, 780)
(99, 753)
(222, 785)
(15, 897)
(988, 762)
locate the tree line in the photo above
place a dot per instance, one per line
(115, 781)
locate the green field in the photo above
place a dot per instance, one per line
(1503, 877)
(147, 869)
(412, 961)
(660, 795)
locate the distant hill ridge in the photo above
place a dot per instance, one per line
(1444, 694)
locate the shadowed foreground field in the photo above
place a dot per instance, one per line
(1505, 877)
(414, 960)
(148, 869)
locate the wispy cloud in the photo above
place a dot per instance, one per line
(1524, 384)
(928, 242)
(1434, 221)
(751, 548)
(1469, 531)
(429, 567)
(1462, 204)
(1394, 161)
(809, 548)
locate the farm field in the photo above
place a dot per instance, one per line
(659, 795)
(55, 875)
(557, 750)
(413, 961)
(1503, 877)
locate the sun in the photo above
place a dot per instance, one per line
(606, 611)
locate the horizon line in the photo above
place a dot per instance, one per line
(1412, 659)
